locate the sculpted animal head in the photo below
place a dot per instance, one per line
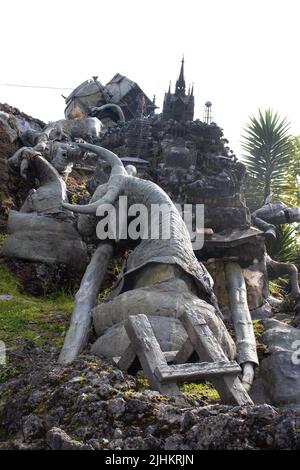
(86, 128)
(61, 155)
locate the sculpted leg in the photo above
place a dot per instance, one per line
(85, 300)
(276, 270)
(245, 339)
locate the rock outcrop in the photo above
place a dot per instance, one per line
(13, 123)
(92, 405)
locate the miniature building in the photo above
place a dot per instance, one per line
(138, 131)
(178, 105)
(126, 94)
(119, 90)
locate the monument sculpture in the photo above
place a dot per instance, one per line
(171, 308)
(157, 268)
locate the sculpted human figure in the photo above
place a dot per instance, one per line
(162, 279)
(43, 230)
(272, 214)
(267, 218)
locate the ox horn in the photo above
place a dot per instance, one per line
(113, 106)
(114, 183)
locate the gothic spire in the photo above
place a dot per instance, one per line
(180, 84)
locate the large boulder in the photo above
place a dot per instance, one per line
(279, 336)
(22, 122)
(44, 239)
(165, 300)
(281, 378)
(169, 333)
(13, 125)
(8, 137)
(279, 373)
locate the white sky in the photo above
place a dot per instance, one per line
(240, 54)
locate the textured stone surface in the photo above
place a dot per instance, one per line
(12, 124)
(8, 136)
(40, 238)
(39, 279)
(57, 439)
(281, 378)
(263, 312)
(66, 407)
(279, 373)
(167, 299)
(169, 333)
(279, 336)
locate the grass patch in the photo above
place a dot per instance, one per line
(3, 237)
(26, 318)
(103, 294)
(258, 328)
(276, 289)
(203, 390)
(142, 381)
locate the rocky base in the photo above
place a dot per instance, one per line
(42, 279)
(92, 405)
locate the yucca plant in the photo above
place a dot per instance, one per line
(273, 166)
(268, 146)
(285, 248)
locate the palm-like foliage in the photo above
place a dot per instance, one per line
(292, 195)
(268, 144)
(273, 167)
(285, 248)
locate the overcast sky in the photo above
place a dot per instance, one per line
(240, 54)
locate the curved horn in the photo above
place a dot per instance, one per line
(114, 185)
(107, 155)
(84, 208)
(113, 106)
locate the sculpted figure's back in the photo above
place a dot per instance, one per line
(162, 279)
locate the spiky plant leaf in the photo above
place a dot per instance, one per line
(285, 248)
(268, 146)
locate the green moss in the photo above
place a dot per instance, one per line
(276, 289)
(3, 237)
(25, 318)
(41, 409)
(6, 372)
(92, 365)
(162, 398)
(258, 328)
(116, 270)
(142, 381)
(202, 390)
(104, 294)
(288, 304)
(74, 198)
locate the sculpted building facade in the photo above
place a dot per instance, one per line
(179, 105)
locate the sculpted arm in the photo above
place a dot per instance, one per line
(245, 339)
